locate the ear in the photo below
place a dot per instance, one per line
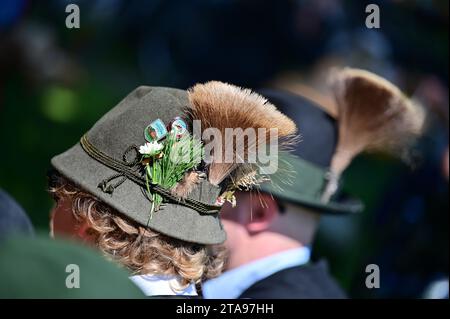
(82, 232)
(264, 210)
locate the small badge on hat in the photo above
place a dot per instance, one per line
(158, 159)
(155, 131)
(178, 126)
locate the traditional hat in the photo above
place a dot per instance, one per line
(126, 160)
(41, 267)
(372, 114)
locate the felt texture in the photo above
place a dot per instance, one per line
(306, 186)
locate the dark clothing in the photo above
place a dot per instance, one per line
(311, 281)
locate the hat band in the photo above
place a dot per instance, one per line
(128, 170)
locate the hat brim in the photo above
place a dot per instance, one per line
(341, 205)
(172, 219)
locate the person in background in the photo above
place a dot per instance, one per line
(154, 208)
(270, 235)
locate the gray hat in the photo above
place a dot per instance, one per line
(107, 162)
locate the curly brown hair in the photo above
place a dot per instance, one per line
(141, 250)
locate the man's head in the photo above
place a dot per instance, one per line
(81, 216)
(286, 216)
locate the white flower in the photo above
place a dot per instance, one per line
(151, 148)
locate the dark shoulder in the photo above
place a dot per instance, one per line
(312, 281)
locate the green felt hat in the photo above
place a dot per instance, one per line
(40, 267)
(105, 163)
(307, 186)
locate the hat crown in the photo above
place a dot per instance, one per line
(111, 137)
(124, 124)
(318, 130)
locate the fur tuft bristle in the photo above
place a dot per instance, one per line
(373, 115)
(183, 188)
(219, 105)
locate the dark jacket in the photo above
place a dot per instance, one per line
(311, 281)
